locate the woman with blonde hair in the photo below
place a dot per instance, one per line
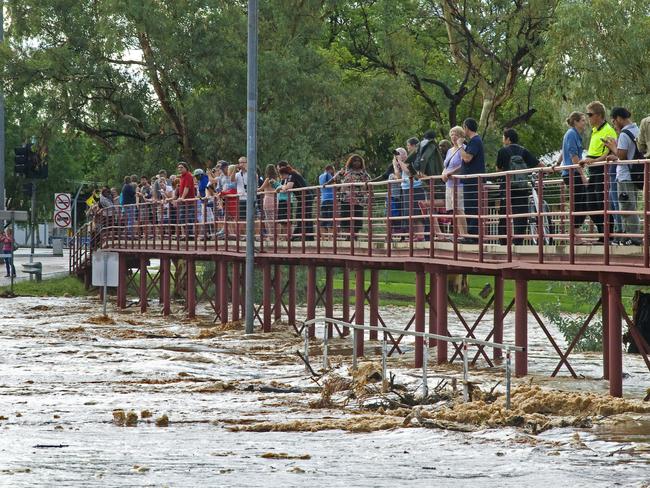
(453, 164)
(269, 189)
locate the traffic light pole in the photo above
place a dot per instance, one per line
(31, 254)
(2, 120)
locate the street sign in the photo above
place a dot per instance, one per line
(63, 210)
(16, 215)
(105, 272)
(62, 201)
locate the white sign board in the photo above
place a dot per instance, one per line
(62, 210)
(105, 268)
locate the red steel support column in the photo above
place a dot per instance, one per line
(359, 308)
(165, 280)
(292, 295)
(615, 343)
(498, 315)
(223, 290)
(143, 284)
(236, 291)
(121, 284)
(277, 292)
(346, 299)
(604, 303)
(521, 327)
(420, 289)
(267, 290)
(374, 302)
(433, 319)
(441, 315)
(311, 298)
(329, 297)
(191, 288)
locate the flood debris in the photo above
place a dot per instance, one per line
(100, 320)
(283, 455)
(145, 414)
(357, 424)
(162, 421)
(140, 469)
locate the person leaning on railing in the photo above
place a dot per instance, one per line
(293, 180)
(598, 151)
(625, 149)
(353, 196)
(453, 164)
(473, 155)
(571, 155)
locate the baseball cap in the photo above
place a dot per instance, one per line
(198, 172)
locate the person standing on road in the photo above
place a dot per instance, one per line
(7, 242)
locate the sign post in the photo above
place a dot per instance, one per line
(12, 216)
(105, 272)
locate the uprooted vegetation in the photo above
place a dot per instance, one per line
(379, 404)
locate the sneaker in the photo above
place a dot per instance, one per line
(220, 234)
(631, 242)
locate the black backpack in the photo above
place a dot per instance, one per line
(636, 170)
(518, 181)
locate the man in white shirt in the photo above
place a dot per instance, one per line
(625, 149)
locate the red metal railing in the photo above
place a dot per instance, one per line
(397, 219)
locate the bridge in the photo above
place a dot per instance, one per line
(363, 232)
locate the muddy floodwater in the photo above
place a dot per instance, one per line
(146, 401)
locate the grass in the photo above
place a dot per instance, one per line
(53, 287)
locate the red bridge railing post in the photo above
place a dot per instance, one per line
(521, 326)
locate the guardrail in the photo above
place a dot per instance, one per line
(466, 341)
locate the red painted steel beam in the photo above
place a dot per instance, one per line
(235, 291)
(329, 297)
(292, 296)
(277, 292)
(122, 282)
(223, 290)
(615, 342)
(498, 315)
(432, 308)
(359, 308)
(374, 302)
(191, 288)
(143, 284)
(165, 281)
(521, 326)
(441, 315)
(267, 291)
(604, 303)
(311, 298)
(420, 292)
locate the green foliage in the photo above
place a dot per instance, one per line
(569, 323)
(54, 287)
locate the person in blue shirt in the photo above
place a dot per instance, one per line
(572, 154)
(326, 200)
(473, 156)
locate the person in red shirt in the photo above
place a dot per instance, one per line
(186, 195)
(7, 249)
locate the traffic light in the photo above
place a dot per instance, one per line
(29, 163)
(22, 159)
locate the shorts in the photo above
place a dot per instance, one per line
(326, 213)
(449, 199)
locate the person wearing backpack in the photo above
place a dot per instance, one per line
(629, 177)
(511, 157)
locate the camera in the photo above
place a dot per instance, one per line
(395, 152)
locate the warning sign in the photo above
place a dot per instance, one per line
(62, 210)
(62, 219)
(62, 201)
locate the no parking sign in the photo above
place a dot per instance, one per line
(62, 210)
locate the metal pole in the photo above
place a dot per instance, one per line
(251, 157)
(75, 226)
(2, 122)
(13, 235)
(508, 377)
(425, 361)
(306, 350)
(325, 342)
(465, 373)
(105, 279)
(31, 255)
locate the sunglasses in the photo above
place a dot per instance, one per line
(589, 114)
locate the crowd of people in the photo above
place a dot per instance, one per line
(217, 195)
